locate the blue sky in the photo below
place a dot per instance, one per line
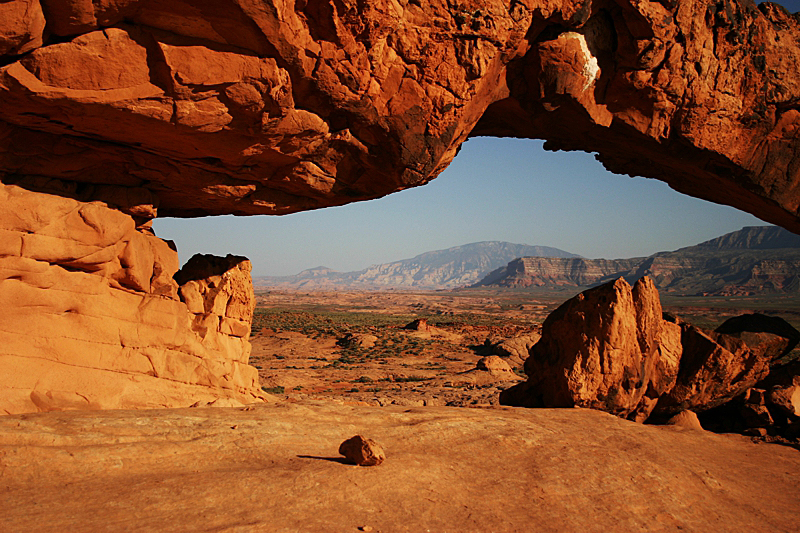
(495, 190)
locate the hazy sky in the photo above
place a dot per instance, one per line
(495, 190)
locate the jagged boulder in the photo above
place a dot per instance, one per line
(611, 348)
(219, 293)
(770, 408)
(714, 368)
(602, 349)
(770, 335)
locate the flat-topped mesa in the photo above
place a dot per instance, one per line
(271, 107)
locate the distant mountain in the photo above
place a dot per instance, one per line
(752, 238)
(459, 266)
(753, 260)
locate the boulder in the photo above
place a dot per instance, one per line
(362, 451)
(685, 419)
(768, 335)
(362, 341)
(516, 349)
(419, 324)
(602, 349)
(494, 365)
(611, 348)
(714, 368)
(771, 408)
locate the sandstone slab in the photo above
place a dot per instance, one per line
(275, 468)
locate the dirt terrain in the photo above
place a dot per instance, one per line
(296, 334)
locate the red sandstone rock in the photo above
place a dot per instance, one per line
(21, 26)
(419, 324)
(770, 335)
(714, 368)
(358, 340)
(515, 349)
(610, 349)
(362, 451)
(600, 350)
(494, 365)
(685, 419)
(259, 107)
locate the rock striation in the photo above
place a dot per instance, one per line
(525, 272)
(93, 317)
(611, 348)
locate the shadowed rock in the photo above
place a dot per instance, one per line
(362, 451)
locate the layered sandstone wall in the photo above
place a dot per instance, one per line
(92, 317)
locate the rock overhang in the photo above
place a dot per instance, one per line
(247, 107)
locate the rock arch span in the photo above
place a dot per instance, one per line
(114, 113)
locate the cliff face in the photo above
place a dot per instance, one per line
(554, 271)
(128, 109)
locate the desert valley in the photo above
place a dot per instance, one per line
(487, 387)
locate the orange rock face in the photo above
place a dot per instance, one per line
(93, 319)
(261, 106)
(611, 348)
(601, 350)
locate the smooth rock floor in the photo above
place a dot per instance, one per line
(275, 468)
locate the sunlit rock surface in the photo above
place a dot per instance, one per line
(265, 106)
(277, 468)
(92, 318)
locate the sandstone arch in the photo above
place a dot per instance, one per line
(113, 113)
